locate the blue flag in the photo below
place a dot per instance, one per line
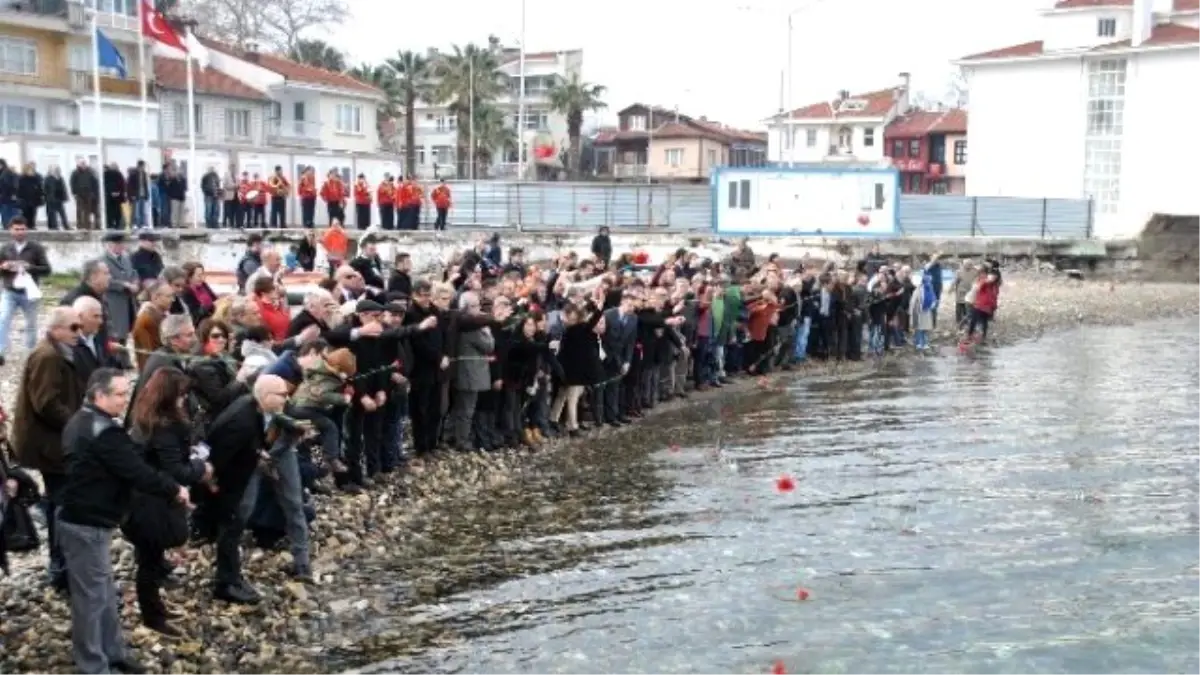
(108, 56)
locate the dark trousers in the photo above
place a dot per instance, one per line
(704, 365)
(391, 453)
(278, 212)
(406, 218)
(50, 502)
(362, 216)
(962, 311)
(612, 399)
(979, 319)
(229, 214)
(148, 583)
(55, 214)
(308, 212)
(510, 414)
(336, 212)
(387, 216)
(328, 432)
(363, 438)
(30, 215)
(440, 223)
(258, 215)
(112, 213)
(230, 527)
(631, 390)
(854, 338)
(425, 412)
(85, 212)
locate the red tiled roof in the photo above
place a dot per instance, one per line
(172, 74)
(1186, 6)
(292, 70)
(876, 104)
(1162, 34)
(922, 122)
(1081, 4)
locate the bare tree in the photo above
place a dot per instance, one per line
(956, 91)
(276, 25)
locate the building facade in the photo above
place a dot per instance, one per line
(924, 145)
(437, 128)
(46, 70)
(227, 111)
(1097, 95)
(849, 128)
(653, 143)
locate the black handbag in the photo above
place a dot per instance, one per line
(156, 523)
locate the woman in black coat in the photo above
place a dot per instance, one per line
(30, 194)
(579, 355)
(159, 423)
(214, 373)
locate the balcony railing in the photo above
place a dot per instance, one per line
(39, 14)
(297, 133)
(630, 170)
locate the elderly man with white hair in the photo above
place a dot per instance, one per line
(91, 353)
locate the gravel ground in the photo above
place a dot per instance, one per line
(353, 534)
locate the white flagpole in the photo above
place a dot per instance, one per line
(471, 114)
(99, 123)
(145, 86)
(191, 102)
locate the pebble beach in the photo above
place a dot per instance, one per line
(408, 526)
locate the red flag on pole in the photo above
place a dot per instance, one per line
(155, 27)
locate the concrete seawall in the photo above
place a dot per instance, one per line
(221, 249)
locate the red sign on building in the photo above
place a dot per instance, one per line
(910, 164)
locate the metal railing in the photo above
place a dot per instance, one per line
(293, 132)
(1018, 217)
(630, 170)
(584, 206)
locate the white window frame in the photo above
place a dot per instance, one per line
(17, 53)
(1106, 27)
(673, 157)
(181, 119)
(846, 138)
(956, 154)
(232, 118)
(79, 58)
(10, 112)
(712, 157)
(637, 123)
(348, 118)
(810, 138)
(1104, 119)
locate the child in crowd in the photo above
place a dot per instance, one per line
(323, 389)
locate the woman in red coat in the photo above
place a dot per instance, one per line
(987, 298)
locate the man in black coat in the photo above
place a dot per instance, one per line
(85, 189)
(114, 196)
(238, 439)
(620, 335)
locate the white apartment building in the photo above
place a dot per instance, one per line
(848, 128)
(437, 131)
(1087, 111)
(227, 111)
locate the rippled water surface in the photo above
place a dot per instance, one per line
(1032, 509)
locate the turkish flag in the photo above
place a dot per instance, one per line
(155, 27)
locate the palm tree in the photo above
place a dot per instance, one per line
(410, 73)
(383, 78)
(320, 54)
(571, 99)
(465, 73)
(493, 134)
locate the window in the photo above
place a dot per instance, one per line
(1103, 139)
(960, 152)
(733, 194)
(787, 138)
(17, 119)
(674, 156)
(897, 148)
(443, 154)
(879, 196)
(914, 183)
(637, 123)
(712, 158)
(811, 138)
(744, 203)
(1106, 27)
(446, 122)
(19, 57)
(938, 187)
(79, 58)
(914, 148)
(237, 123)
(348, 118)
(845, 138)
(869, 137)
(536, 120)
(181, 119)
(421, 155)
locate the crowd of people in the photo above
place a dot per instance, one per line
(139, 198)
(198, 417)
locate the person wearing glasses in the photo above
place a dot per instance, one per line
(50, 393)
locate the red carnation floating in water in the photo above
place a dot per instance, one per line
(778, 668)
(785, 483)
(801, 594)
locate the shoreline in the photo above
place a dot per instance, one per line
(385, 542)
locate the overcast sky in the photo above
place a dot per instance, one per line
(723, 58)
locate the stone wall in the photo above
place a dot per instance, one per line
(1169, 248)
(221, 249)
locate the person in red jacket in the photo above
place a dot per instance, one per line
(987, 299)
(259, 203)
(385, 196)
(307, 190)
(243, 197)
(404, 206)
(362, 202)
(441, 202)
(334, 194)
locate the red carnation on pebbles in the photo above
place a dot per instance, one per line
(785, 483)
